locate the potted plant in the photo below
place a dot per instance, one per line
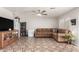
(69, 37)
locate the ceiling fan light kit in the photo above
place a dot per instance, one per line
(39, 14)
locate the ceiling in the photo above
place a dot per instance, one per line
(56, 12)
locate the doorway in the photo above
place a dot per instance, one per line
(23, 30)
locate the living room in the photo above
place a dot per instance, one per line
(50, 22)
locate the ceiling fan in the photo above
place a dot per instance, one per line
(40, 12)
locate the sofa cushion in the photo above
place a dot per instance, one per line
(62, 30)
(54, 30)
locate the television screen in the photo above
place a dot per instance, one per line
(6, 24)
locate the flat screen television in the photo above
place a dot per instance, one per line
(6, 24)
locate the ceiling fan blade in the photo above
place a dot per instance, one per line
(52, 8)
(36, 11)
(43, 11)
(44, 14)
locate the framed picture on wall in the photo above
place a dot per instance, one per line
(73, 21)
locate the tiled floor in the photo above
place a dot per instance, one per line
(39, 45)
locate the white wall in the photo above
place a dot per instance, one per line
(41, 22)
(5, 13)
(64, 22)
(34, 22)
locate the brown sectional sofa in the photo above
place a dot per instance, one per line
(43, 32)
(58, 34)
(55, 33)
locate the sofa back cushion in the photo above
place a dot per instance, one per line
(62, 30)
(44, 30)
(54, 30)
